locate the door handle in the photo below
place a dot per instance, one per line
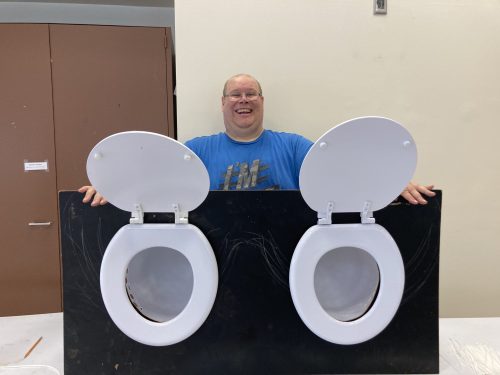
(46, 224)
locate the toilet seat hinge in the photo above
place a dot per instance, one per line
(326, 218)
(181, 217)
(137, 215)
(367, 214)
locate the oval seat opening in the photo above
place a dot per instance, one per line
(159, 283)
(346, 282)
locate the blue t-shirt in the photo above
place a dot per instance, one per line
(271, 162)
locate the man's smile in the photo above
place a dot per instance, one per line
(243, 110)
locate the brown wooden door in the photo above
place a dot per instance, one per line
(106, 79)
(62, 89)
(29, 250)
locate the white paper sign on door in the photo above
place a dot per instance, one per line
(36, 166)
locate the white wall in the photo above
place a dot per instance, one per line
(431, 65)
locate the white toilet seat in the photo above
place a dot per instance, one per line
(130, 241)
(359, 166)
(147, 172)
(315, 243)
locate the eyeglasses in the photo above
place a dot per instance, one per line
(250, 96)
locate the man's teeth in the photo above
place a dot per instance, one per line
(243, 110)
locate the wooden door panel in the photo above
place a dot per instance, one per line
(102, 80)
(106, 79)
(29, 255)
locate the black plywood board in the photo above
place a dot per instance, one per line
(253, 327)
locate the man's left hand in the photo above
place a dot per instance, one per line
(414, 193)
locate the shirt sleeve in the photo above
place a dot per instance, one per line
(194, 145)
(302, 147)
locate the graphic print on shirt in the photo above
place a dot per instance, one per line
(239, 177)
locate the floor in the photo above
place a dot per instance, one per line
(33, 344)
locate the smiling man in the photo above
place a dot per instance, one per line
(248, 157)
(243, 108)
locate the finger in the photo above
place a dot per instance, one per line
(427, 190)
(406, 195)
(88, 195)
(414, 191)
(86, 189)
(419, 197)
(89, 192)
(97, 200)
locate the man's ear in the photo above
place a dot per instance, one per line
(222, 103)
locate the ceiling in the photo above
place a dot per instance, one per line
(143, 3)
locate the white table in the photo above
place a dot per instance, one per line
(19, 333)
(469, 346)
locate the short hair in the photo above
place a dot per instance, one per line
(241, 75)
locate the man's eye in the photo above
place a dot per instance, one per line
(235, 95)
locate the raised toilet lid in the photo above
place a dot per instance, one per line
(149, 169)
(364, 159)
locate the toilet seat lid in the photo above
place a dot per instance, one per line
(149, 169)
(367, 159)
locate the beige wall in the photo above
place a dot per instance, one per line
(432, 65)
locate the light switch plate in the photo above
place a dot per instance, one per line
(379, 6)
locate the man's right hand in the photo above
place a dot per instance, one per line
(92, 195)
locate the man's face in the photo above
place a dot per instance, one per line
(243, 116)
